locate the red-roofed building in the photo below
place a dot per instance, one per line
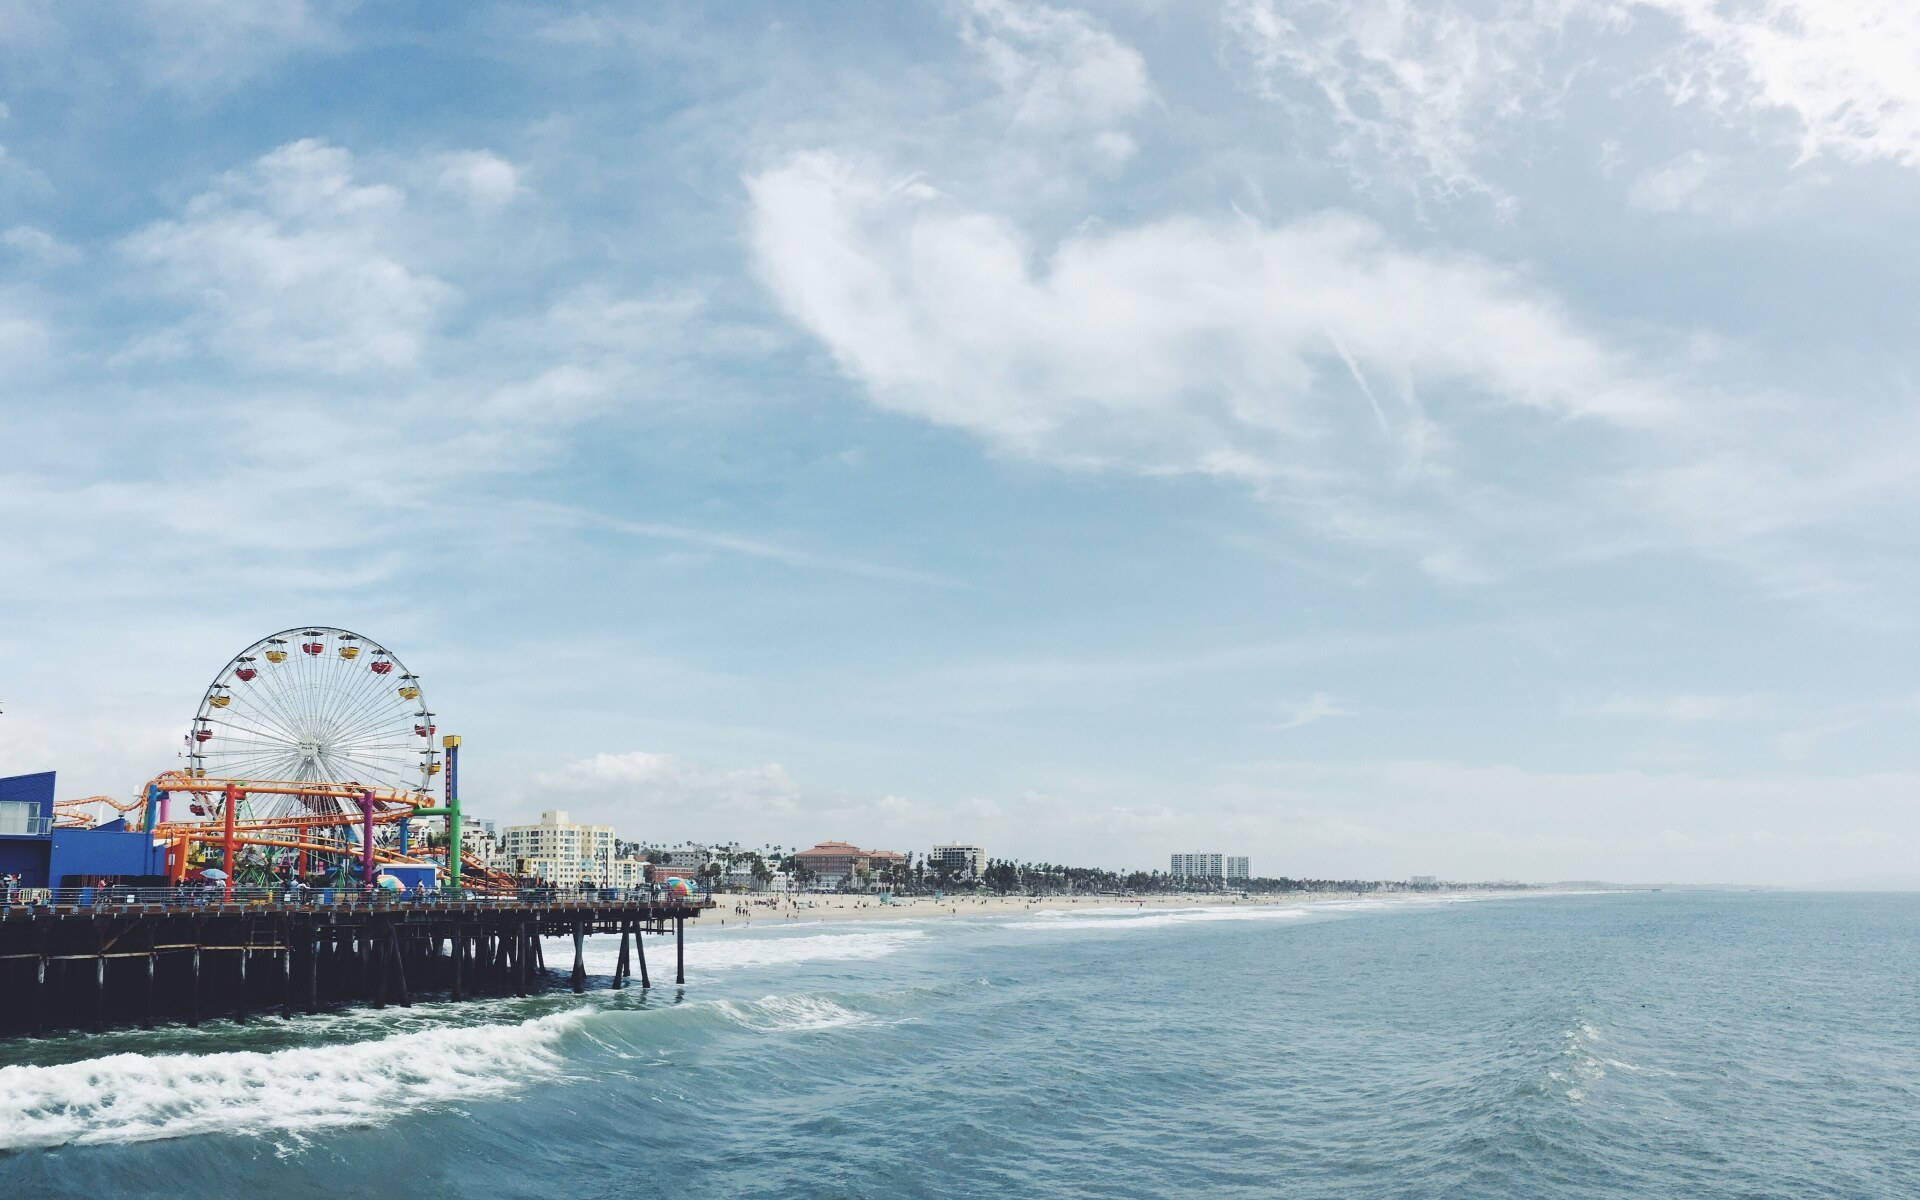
(831, 862)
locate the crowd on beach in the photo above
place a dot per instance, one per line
(826, 906)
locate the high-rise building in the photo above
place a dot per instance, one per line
(1237, 868)
(1198, 866)
(961, 862)
(559, 852)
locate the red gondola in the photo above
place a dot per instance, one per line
(313, 648)
(381, 665)
(202, 735)
(244, 674)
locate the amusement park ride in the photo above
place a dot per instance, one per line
(310, 759)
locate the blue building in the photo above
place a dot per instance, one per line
(43, 856)
(26, 827)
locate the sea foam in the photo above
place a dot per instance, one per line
(790, 1014)
(1117, 919)
(728, 951)
(135, 1097)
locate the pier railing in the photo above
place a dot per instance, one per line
(301, 899)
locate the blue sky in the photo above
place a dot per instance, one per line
(1378, 437)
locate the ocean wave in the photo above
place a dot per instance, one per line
(1585, 1066)
(1122, 919)
(137, 1098)
(726, 952)
(790, 1014)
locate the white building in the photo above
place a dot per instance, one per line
(965, 862)
(1198, 866)
(559, 852)
(628, 872)
(480, 840)
(1237, 868)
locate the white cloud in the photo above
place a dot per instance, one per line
(481, 177)
(1424, 93)
(1678, 186)
(24, 341)
(1115, 147)
(293, 262)
(662, 781)
(1468, 821)
(1190, 345)
(663, 797)
(733, 543)
(1843, 70)
(37, 244)
(1317, 707)
(1681, 708)
(1415, 88)
(207, 46)
(1060, 68)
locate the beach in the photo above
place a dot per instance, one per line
(804, 907)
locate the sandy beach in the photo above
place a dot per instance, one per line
(757, 909)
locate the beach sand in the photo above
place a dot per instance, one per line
(802, 907)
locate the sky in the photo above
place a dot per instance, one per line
(1377, 437)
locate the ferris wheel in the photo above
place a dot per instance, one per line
(315, 704)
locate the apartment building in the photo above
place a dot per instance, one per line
(961, 862)
(560, 852)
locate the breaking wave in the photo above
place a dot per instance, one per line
(137, 1097)
(790, 1014)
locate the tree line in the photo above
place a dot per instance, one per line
(921, 874)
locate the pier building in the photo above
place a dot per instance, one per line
(40, 854)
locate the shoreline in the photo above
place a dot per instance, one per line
(813, 909)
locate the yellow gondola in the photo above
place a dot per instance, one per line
(349, 652)
(409, 692)
(433, 768)
(220, 701)
(276, 655)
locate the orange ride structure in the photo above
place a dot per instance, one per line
(310, 758)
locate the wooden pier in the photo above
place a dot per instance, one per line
(68, 967)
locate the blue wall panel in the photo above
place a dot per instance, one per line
(81, 856)
(25, 857)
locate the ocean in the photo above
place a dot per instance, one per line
(1695, 1044)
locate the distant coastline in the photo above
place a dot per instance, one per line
(800, 908)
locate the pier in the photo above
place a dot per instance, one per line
(126, 958)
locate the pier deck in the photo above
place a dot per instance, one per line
(188, 958)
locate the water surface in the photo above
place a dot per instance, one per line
(1708, 1044)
